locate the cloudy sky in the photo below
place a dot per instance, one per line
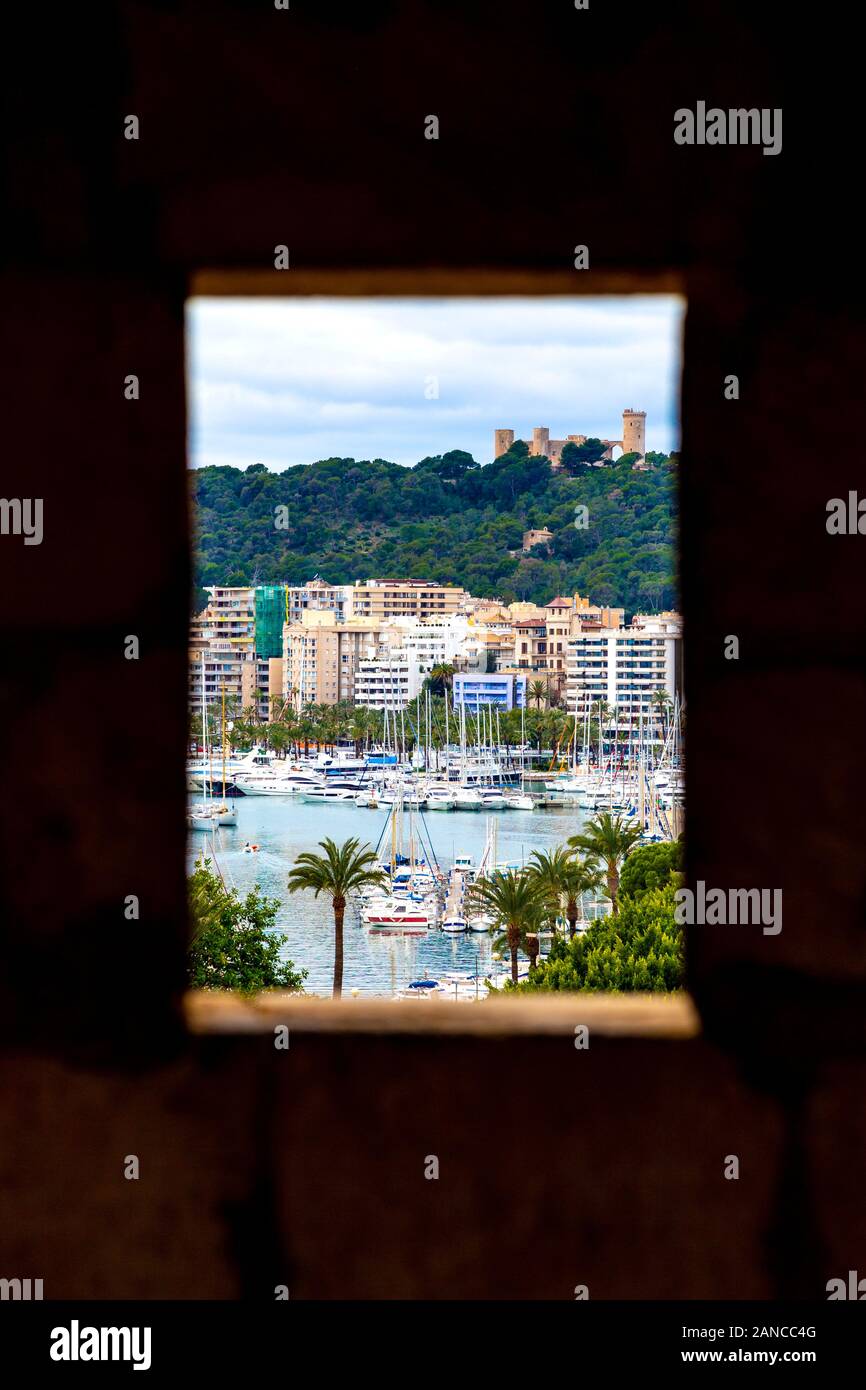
(288, 381)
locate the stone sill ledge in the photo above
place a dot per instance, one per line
(625, 1016)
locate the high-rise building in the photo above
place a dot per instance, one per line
(224, 635)
(321, 654)
(625, 667)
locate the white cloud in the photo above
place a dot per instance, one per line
(288, 381)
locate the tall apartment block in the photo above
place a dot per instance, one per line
(224, 634)
(625, 667)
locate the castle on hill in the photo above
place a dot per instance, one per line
(633, 440)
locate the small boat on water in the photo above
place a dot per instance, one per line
(453, 926)
(481, 923)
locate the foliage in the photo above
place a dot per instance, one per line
(639, 949)
(234, 945)
(446, 519)
(651, 866)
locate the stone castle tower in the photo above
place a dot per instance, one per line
(634, 432)
(633, 439)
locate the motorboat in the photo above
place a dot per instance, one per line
(440, 798)
(491, 799)
(396, 915)
(481, 923)
(453, 926)
(467, 798)
(519, 801)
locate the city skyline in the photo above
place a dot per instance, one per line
(288, 381)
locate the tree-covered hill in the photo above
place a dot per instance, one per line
(446, 519)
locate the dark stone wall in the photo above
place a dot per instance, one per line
(261, 127)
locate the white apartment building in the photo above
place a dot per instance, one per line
(393, 673)
(625, 666)
(387, 677)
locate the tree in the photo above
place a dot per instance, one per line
(233, 944)
(608, 838)
(341, 870)
(440, 678)
(660, 705)
(651, 866)
(537, 692)
(577, 457)
(563, 877)
(515, 902)
(641, 949)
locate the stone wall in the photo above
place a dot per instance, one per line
(558, 1167)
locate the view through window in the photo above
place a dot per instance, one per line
(435, 623)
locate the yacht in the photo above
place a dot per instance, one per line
(396, 915)
(454, 925)
(467, 798)
(440, 798)
(329, 792)
(491, 798)
(519, 801)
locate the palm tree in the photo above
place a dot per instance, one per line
(537, 692)
(529, 944)
(336, 873)
(516, 903)
(608, 838)
(441, 678)
(660, 704)
(563, 875)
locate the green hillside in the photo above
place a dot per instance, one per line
(446, 519)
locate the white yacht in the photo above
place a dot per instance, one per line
(467, 798)
(440, 798)
(396, 915)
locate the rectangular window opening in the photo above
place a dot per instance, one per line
(402, 489)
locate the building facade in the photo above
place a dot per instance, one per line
(383, 599)
(321, 655)
(223, 635)
(625, 668)
(477, 690)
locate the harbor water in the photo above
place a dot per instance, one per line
(284, 827)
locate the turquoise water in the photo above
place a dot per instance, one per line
(283, 827)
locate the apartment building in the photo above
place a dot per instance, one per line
(319, 596)
(625, 667)
(477, 690)
(224, 635)
(387, 678)
(383, 599)
(410, 649)
(321, 655)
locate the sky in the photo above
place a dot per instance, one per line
(289, 381)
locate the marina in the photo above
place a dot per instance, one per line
(380, 962)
